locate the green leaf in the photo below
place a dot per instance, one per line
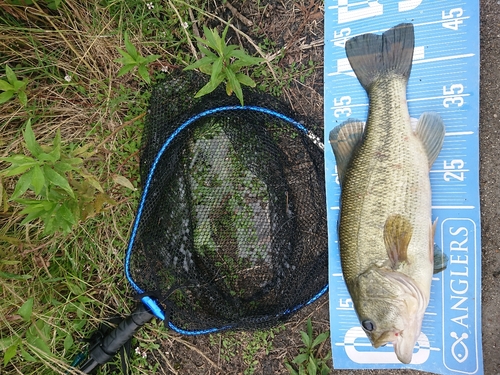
(11, 77)
(290, 369)
(223, 38)
(306, 339)
(27, 357)
(65, 213)
(68, 342)
(209, 87)
(149, 59)
(201, 62)
(301, 358)
(37, 179)
(212, 37)
(125, 69)
(130, 47)
(20, 85)
(234, 84)
(16, 169)
(312, 369)
(126, 59)
(6, 86)
(26, 309)
(6, 342)
(58, 180)
(207, 52)
(143, 73)
(216, 69)
(30, 139)
(244, 57)
(22, 185)
(245, 80)
(320, 338)
(5, 96)
(9, 354)
(40, 344)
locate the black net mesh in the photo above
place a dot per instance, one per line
(232, 232)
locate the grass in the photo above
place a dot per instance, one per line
(64, 56)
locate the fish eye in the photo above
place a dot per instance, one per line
(368, 325)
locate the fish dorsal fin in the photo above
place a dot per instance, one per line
(345, 139)
(397, 235)
(430, 130)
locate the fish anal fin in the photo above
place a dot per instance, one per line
(372, 56)
(430, 130)
(345, 139)
(397, 235)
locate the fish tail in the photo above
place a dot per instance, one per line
(374, 56)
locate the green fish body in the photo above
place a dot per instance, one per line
(385, 228)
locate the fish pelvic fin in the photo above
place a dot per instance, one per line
(372, 56)
(397, 235)
(345, 139)
(430, 130)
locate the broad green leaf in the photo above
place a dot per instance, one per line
(234, 84)
(320, 338)
(301, 358)
(201, 62)
(37, 179)
(30, 139)
(125, 69)
(65, 213)
(6, 342)
(9, 354)
(16, 169)
(40, 344)
(22, 185)
(20, 85)
(212, 38)
(6, 86)
(27, 357)
(243, 56)
(43, 156)
(130, 47)
(11, 77)
(245, 80)
(207, 52)
(149, 59)
(227, 50)
(223, 38)
(58, 180)
(143, 73)
(5, 96)
(26, 309)
(209, 87)
(18, 159)
(312, 369)
(216, 69)
(126, 59)
(290, 369)
(68, 342)
(306, 339)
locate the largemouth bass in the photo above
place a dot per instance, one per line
(385, 227)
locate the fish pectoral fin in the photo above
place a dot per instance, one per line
(345, 139)
(430, 130)
(440, 260)
(397, 235)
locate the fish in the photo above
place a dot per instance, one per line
(385, 228)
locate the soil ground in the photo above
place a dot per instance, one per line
(298, 25)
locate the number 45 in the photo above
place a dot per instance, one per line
(453, 15)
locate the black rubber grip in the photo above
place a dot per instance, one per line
(112, 343)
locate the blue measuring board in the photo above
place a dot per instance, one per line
(444, 79)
